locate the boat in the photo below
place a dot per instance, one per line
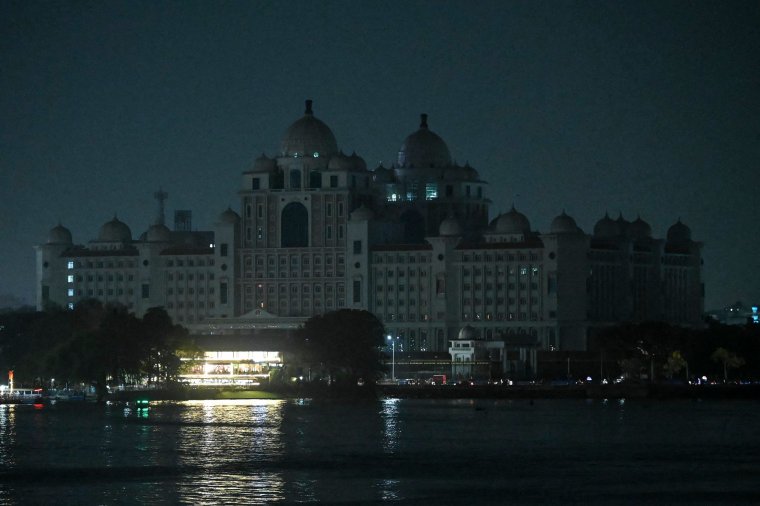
(21, 396)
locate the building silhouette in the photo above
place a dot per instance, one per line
(317, 231)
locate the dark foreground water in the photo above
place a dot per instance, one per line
(395, 451)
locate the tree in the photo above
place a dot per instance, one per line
(346, 343)
(674, 364)
(161, 340)
(729, 359)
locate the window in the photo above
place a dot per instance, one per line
(431, 191)
(357, 247)
(70, 278)
(223, 250)
(145, 291)
(255, 183)
(223, 293)
(333, 181)
(69, 264)
(328, 210)
(357, 291)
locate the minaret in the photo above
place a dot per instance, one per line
(160, 196)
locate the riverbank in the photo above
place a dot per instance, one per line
(619, 391)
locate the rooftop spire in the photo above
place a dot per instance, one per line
(308, 107)
(160, 196)
(423, 120)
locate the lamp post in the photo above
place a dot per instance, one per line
(393, 357)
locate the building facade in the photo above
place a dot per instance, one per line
(316, 231)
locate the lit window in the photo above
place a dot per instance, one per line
(70, 265)
(70, 305)
(316, 155)
(70, 278)
(71, 292)
(431, 191)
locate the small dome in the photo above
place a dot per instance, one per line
(358, 162)
(563, 224)
(606, 228)
(450, 227)
(158, 233)
(115, 231)
(340, 162)
(229, 216)
(639, 229)
(679, 233)
(470, 173)
(308, 136)
(467, 333)
(59, 235)
(513, 222)
(264, 164)
(423, 149)
(362, 213)
(382, 174)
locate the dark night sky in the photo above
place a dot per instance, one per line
(647, 108)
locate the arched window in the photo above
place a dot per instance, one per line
(295, 226)
(295, 179)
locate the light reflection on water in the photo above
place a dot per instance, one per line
(420, 451)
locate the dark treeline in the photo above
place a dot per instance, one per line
(723, 352)
(341, 346)
(94, 344)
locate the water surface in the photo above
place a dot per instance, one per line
(389, 451)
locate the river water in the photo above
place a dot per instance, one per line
(389, 451)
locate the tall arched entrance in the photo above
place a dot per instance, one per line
(294, 226)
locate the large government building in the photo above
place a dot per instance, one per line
(316, 230)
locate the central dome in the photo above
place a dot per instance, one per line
(424, 149)
(308, 137)
(115, 231)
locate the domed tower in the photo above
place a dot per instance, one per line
(606, 228)
(639, 230)
(113, 235)
(298, 205)
(158, 233)
(512, 226)
(429, 187)
(308, 137)
(682, 285)
(59, 235)
(679, 234)
(51, 282)
(450, 227)
(564, 224)
(423, 149)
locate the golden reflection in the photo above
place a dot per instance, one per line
(7, 434)
(391, 429)
(230, 443)
(389, 490)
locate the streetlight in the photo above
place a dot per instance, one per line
(393, 357)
